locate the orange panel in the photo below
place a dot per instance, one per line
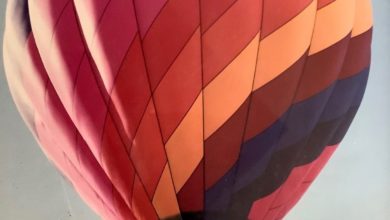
(225, 94)
(363, 17)
(333, 23)
(185, 147)
(283, 47)
(164, 199)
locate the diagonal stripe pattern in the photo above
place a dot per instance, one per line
(198, 109)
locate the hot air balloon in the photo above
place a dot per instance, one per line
(196, 109)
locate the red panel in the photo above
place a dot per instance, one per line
(142, 205)
(289, 187)
(229, 36)
(116, 31)
(89, 108)
(180, 87)
(131, 92)
(86, 174)
(61, 60)
(148, 152)
(123, 211)
(214, 10)
(272, 214)
(323, 3)
(168, 35)
(279, 12)
(261, 207)
(311, 174)
(116, 162)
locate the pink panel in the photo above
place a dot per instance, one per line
(147, 11)
(277, 204)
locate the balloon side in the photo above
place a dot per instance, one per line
(188, 109)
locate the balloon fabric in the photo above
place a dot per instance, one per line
(196, 109)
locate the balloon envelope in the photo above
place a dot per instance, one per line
(197, 109)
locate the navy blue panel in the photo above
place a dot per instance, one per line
(302, 118)
(217, 197)
(344, 96)
(306, 133)
(256, 153)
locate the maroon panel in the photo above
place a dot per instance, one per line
(273, 99)
(191, 195)
(358, 55)
(224, 143)
(322, 69)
